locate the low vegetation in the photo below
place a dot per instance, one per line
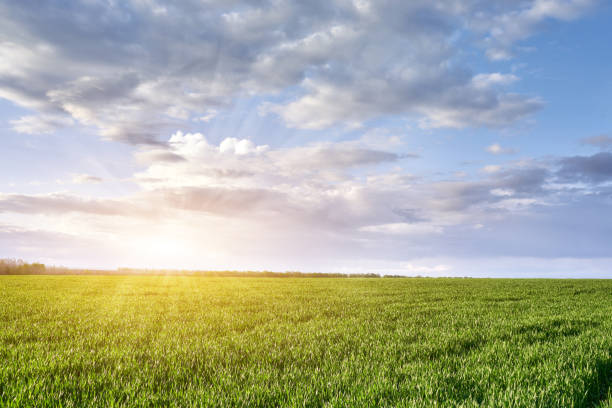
(203, 341)
(20, 267)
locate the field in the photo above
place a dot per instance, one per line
(195, 341)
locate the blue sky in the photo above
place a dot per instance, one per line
(455, 138)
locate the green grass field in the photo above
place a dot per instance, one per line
(192, 341)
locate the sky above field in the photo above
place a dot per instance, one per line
(455, 138)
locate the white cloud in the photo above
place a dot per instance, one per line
(242, 211)
(442, 98)
(189, 144)
(503, 112)
(40, 124)
(238, 202)
(489, 80)
(240, 146)
(208, 115)
(320, 62)
(496, 149)
(190, 160)
(501, 192)
(316, 184)
(509, 27)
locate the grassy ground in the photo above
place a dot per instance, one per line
(190, 341)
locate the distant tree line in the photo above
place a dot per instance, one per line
(254, 274)
(19, 267)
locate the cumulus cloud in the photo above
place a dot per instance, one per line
(387, 215)
(136, 69)
(321, 186)
(443, 99)
(240, 147)
(316, 184)
(193, 161)
(344, 186)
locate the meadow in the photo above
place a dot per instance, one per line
(183, 341)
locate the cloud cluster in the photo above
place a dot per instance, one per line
(266, 204)
(134, 68)
(342, 186)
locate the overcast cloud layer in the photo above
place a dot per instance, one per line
(332, 168)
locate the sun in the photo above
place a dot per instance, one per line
(155, 251)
